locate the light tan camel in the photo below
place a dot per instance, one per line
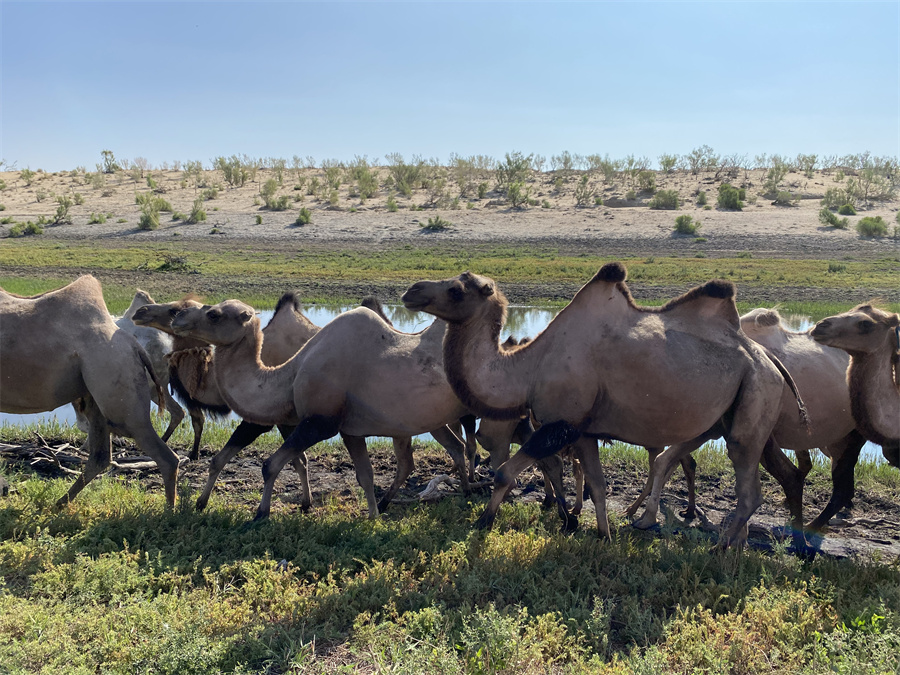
(358, 377)
(605, 368)
(63, 346)
(819, 373)
(871, 337)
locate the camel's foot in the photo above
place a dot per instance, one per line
(382, 505)
(194, 456)
(631, 510)
(646, 521)
(61, 503)
(548, 503)
(201, 503)
(485, 522)
(261, 516)
(576, 510)
(569, 524)
(689, 513)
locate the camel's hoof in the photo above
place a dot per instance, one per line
(201, 503)
(485, 522)
(688, 514)
(576, 511)
(60, 504)
(645, 522)
(382, 506)
(548, 503)
(570, 524)
(260, 517)
(193, 457)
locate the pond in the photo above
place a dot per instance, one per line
(522, 321)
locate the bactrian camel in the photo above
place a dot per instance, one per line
(819, 373)
(63, 346)
(605, 368)
(357, 377)
(871, 337)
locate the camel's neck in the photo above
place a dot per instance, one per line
(875, 396)
(181, 342)
(488, 381)
(254, 391)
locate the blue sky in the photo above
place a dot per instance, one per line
(179, 80)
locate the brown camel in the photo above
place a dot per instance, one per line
(871, 337)
(819, 373)
(605, 368)
(63, 346)
(357, 377)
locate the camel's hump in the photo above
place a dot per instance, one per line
(612, 273)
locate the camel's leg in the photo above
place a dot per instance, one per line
(197, 421)
(405, 466)
(176, 413)
(99, 442)
(844, 455)
(546, 441)
(652, 454)
(552, 468)
(791, 480)
(689, 466)
(468, 424)
(365, 476)
(309, 432)
(244, 435)
(804, 462)
(146, 439)
(578, 471)
(891, 452)
(661, 470)
(588, 455)
(457, 450)
(301, 466)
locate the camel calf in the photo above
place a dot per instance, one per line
(63, 346)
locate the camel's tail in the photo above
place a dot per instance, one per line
(804, 415)
(145, 359)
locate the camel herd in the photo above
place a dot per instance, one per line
(668, 378)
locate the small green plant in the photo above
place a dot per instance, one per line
(517, 194)
(392, 204)
(64, 203)
(598, 200)
(745, 254)
(333, 198)
(178, 215)
(209, 193)
(40, 195)
(198, 214)
(149, 219)
(304, 217)
(2, 184)
(730, 197)
(436, 224)
(258, 219)
(827, 217)
(122, 220)
(482, 190)
(109, 162)
(6, 220)
(872, 226)
(27, 175)
(784, 198)
(630, 196)
(647, 181)
(847, 210)
(151, 182)
(701, 198)
(664, 199)
(470, 205)
(834, 268)
(215, 230)
(684, 224)
(97, 218)
(79, 199)
(353, 209)
(558, 183)
(584, 193)
(546, 204)
(25, 229)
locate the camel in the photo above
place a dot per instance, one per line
(357, 377)
(63, 346)
(871, 337)
(819, 372)
(605, 368)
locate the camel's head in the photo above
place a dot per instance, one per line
(455, 300)
(863, 330)
(160, 316)
(140, 299)
(221, 325)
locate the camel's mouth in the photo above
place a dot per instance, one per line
(413, 301)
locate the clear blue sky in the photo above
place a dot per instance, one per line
(178, 80)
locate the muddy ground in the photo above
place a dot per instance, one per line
(871, 527)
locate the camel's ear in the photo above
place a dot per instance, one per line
(487, 289)
(245, 316)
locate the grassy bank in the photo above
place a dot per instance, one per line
(115, 583)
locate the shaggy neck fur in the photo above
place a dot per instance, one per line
(477, 341)
(874, 380)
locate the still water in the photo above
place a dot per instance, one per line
(522, 321)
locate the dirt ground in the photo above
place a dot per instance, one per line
(871, 527)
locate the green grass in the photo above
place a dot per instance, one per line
(116, 583)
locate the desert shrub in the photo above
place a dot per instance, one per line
(40, 195)
(827, 217)
(774, 176)
(2, 184)
(27, 175)
(209, 193)
(151, 182)
(834, 268)
(25, 229)
(730, 197)
(97, 218)
(872, 226)
(282, 203)
(558, 183)
(518, 195)
(109, 162)
(304, 217)
(546, 204)
(847, 210)
(701, 198)
(64, 203)
(2, 207)
(149, 219)
(684, 224)
(664, 199)
(647, 181)
(482, 190)
(514, 169)
(198, 214)
(236, 170)
(313, 186)
(153, 201)
(79, 199)
(392, 204)
(667, 162)
(598, 200)
(584, 193)
(332, 173)
(333, 198)
(178, 215)
(784, 198)
(366, 182)
(630, 195)
(436, 224)
(6, 220)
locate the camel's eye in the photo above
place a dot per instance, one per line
(173, 311)
(865, 326)
(213, 315)
(455, 293)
